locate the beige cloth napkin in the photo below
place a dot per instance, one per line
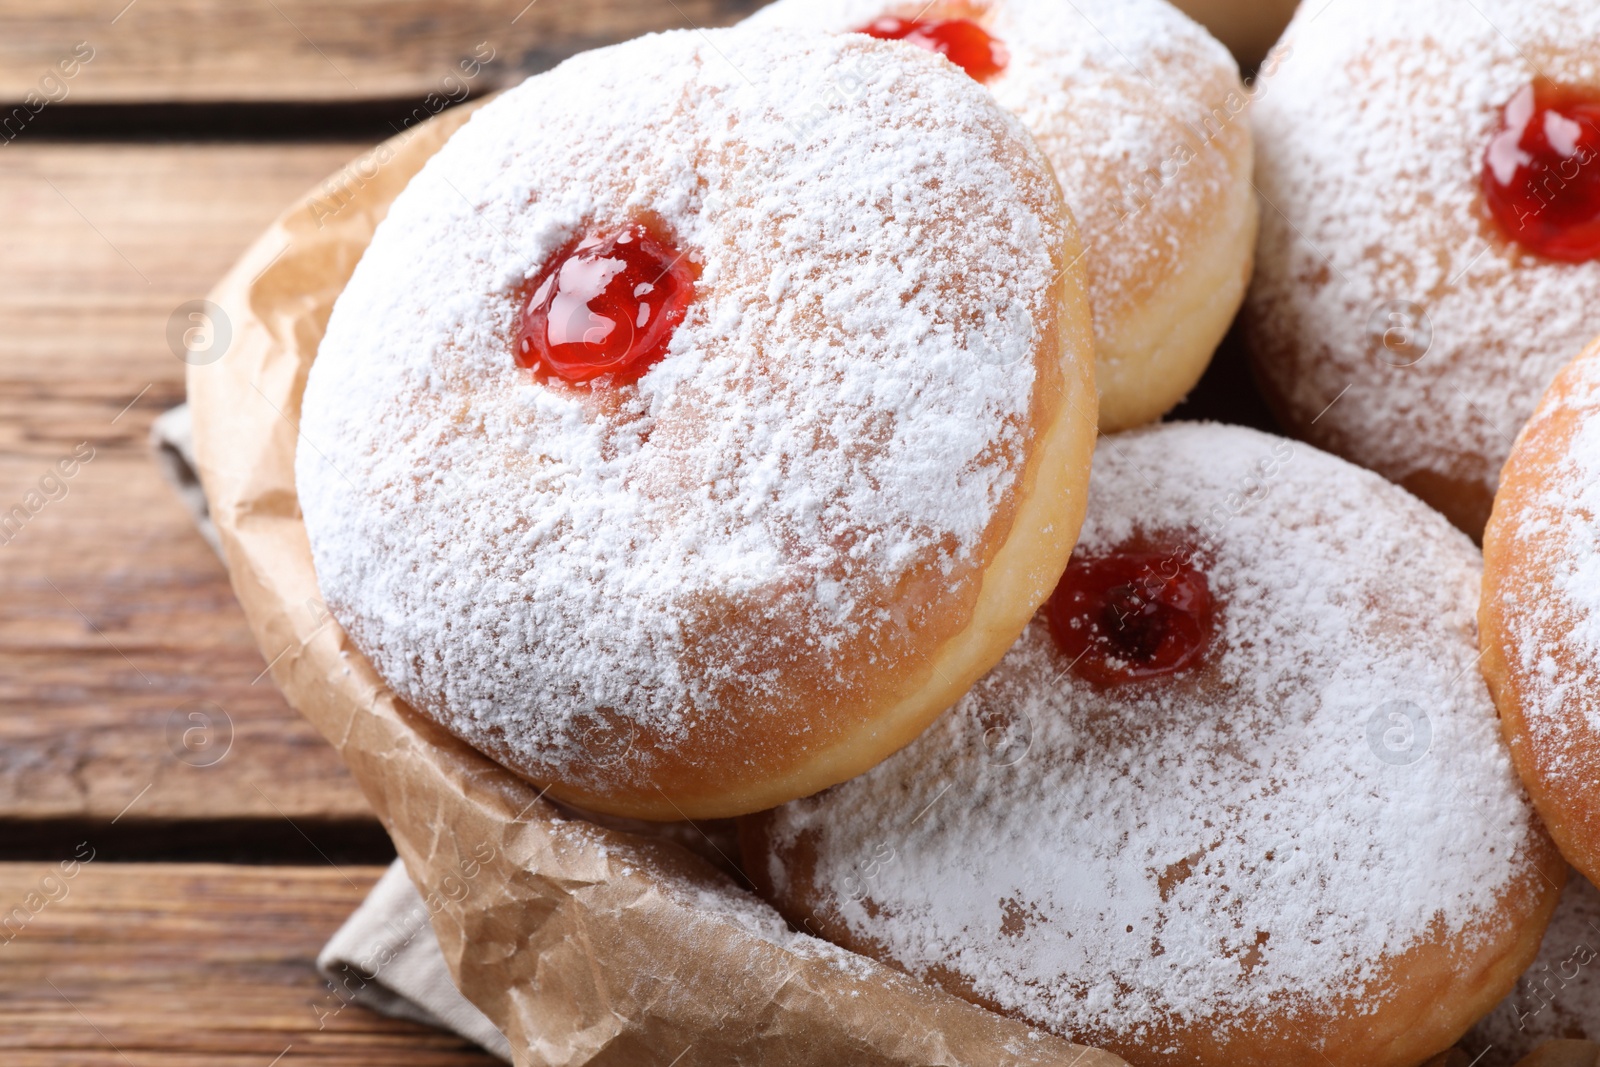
(385, 957)
(172, 439)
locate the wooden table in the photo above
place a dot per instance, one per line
(150, 141)
(190, 936)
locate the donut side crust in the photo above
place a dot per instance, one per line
(1553, 746)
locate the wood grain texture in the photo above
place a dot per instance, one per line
(117, 617)
(313, 50)
(150, 965)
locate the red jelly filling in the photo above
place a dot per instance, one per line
(1131, 615)
(962, 41)
(1541, 172)
(606, 304)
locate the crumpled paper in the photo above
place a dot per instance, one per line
(386, 958)
(583, 944)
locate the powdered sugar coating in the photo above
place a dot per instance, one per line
(1370, 140)
(548, 571)
(1212, 849)
(1123, 96)
(1559, 617)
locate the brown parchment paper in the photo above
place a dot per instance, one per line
(585, 945)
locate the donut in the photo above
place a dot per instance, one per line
(1560, 1053)
(1412, 297)
(686, 453)
(1541, 609)
(1235, 797)
(1558, 997)
(1143, 116)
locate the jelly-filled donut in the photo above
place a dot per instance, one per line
(1541, 609)
(1428, 261)
(1236, 796)
(687, 453)
(1145, 120)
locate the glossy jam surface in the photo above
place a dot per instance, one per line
(1131, 615)
(605, 305)
(1541, 171)
(962, 41)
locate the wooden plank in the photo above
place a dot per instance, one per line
(317, 51)
(311, 50)
(118, 620)
(147, 965)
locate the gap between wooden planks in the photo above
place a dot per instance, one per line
(212, 51)
(140, 965)
(118, 621)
